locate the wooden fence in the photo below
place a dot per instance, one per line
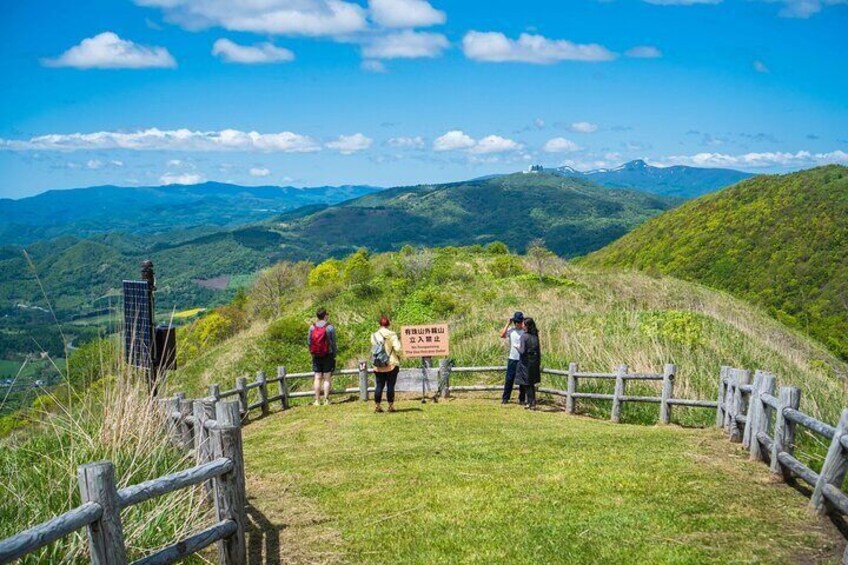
(213, 432)
(765, 425)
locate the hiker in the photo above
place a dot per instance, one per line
(529, 371)
(512, 332)
(322, 346)
(385, 352)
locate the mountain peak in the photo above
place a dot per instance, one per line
(636, 164)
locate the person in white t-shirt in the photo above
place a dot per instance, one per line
(512, 332)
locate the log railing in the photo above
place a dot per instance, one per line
(766, 425)
(217, 446)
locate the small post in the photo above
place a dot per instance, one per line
(284, 388)
(753, 408)
(722, 387)
(728, 398)
(667, 391)
(227, 413)
(186, 431)
(835, 465)
(263, 391)
(763, 415)
(743, 377)
(615, 413)
(106, 535)
(230, 497)
(215, 392)
(172, 405)
(363, 381)
(241, 387)
(444, 376)
(573, 368)
(784, 438)
(200, 435)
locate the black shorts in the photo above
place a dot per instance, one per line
(325, 364)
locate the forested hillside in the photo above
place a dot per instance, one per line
(780, 241)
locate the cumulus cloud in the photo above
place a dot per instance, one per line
(560, 145)
(108, 51)
(348, 144)
(406, 44)
(806, 8)
(764, 160)
(259, 172)
(644, 52)
(154, 139)
(416, 142)
(458, 140)
(373, 66)
(251, 54)
(313, 18)
(495, 47)
(583, 127)
(760, 67)
(181, 178)
(405, 13)
(681, 2)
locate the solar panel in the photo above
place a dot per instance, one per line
(138, 324)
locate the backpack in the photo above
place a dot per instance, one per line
(379, 357)
(319, 344)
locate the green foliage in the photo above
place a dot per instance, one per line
(497, 248)
(326, 274)
(207, 331)
(504, 266)
(91, 361)
(778, 241)
(675, 326)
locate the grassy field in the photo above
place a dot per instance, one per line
(469, 481)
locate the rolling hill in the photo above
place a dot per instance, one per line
(780, 241)
(679, 181)
(142, 210)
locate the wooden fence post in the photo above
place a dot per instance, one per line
(667, 391)
(228, 413)
(743, 377)
(722, 388)
(186, 431)
(199, 432)
(263, 391)
(753, 408)
(571, 388)
(284, 388)
(230, 497)
(728, 398)
(784, 430)
(763, 415)
(215, 392)
(106, 535)
(172, 405)
(241, 387)
(363, 381)
(834, 467)
(444, 376)
(618, 392)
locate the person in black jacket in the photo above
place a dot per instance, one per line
(529, 371)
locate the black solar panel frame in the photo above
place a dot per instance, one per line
(139, 342)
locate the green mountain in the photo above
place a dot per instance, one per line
(778, 241)
(101, 209)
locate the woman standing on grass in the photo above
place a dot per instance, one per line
(529, 371)
(385, 352)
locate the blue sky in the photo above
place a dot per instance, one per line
(388, 92)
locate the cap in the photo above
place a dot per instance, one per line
(518, 317)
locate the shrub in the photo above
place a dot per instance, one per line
(497, 248)
(326, 274)
(675, 326)
(504, 266)
(357, 269)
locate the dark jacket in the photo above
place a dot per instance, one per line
(529, 371)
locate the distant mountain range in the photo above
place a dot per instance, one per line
(678, 181)
(102, 209)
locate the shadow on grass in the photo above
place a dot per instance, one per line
(262, 538)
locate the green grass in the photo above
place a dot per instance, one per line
(467, 481)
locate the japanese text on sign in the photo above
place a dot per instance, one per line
(425, 341)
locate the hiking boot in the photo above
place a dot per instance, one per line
(316, 403)
(392, 407)
(378, 408)
(326, 402)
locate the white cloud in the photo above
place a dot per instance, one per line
(108, 51)
(259, 172)
(494, 144)
(94, 164)
(416, 142)
(583, 127)
(644, 52)
(681, 2)
(116, 163)
(560, 145)
(348, 144)
(154, 139)
(495, 47)
(765, 160)
(181, 178)
(760, 67)
(406, 44)
(806, 8)
(373, 66)
(174, 163)
(453, 140)
(458, 140)
(405, 13)
(251, 54)
(282, 17)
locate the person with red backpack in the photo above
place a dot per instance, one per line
(322, 347)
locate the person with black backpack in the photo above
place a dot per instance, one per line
(529, 371)
(385, 358)
(322, 347)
